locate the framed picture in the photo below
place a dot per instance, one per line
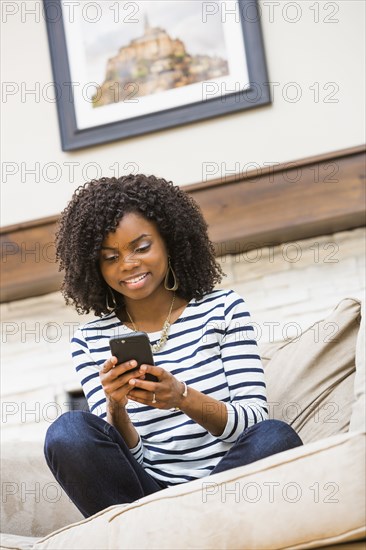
(124, 68)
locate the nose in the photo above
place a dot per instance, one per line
(129, 262)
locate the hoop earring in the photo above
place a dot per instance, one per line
(109, 308)
(166, 281)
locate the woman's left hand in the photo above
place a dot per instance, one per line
(165, 394)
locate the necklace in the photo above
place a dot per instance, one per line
(164, 332)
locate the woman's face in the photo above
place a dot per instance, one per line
(134, 260)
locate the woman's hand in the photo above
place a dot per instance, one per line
(165, 394)
(115, 380)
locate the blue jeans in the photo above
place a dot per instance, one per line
(94, 466)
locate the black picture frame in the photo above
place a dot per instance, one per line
(73, 138)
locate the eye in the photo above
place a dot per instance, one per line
(110, 258)
(143, 248)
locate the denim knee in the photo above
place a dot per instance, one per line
(67, 434)
(283, 432)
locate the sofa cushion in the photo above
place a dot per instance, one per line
(89, 534)
(32, 502)
(310, 378)
(307, 497)
(16, 542)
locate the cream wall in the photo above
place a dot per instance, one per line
(303, 52)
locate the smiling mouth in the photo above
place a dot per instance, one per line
(135, 280)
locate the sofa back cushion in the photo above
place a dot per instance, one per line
(310, 378)
(358, 418)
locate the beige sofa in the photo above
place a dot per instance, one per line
(309, 497)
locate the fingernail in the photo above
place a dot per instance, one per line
(132, 381)
(143, 368)
(133, 363)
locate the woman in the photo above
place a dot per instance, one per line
(135, 250)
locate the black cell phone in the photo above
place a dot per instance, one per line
(134, 346)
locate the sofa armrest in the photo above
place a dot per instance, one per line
(32, 503)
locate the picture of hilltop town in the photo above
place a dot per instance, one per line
(152, 63)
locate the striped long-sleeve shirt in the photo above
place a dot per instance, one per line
(212, 348)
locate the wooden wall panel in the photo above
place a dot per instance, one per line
(298, 200)
(28, 260)
(287, 204)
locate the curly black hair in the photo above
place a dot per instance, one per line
(95, 210)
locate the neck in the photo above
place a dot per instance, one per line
(151, 309)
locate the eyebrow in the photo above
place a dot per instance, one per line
(129, 244)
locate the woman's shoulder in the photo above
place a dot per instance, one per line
(220, 297)
(97, 325)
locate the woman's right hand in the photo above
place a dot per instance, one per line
(115, 378)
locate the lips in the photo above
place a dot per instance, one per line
(135, 280)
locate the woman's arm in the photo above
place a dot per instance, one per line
(93, 378)
(115, 380)
(118, 417)
(205, 410)
(243, 370)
